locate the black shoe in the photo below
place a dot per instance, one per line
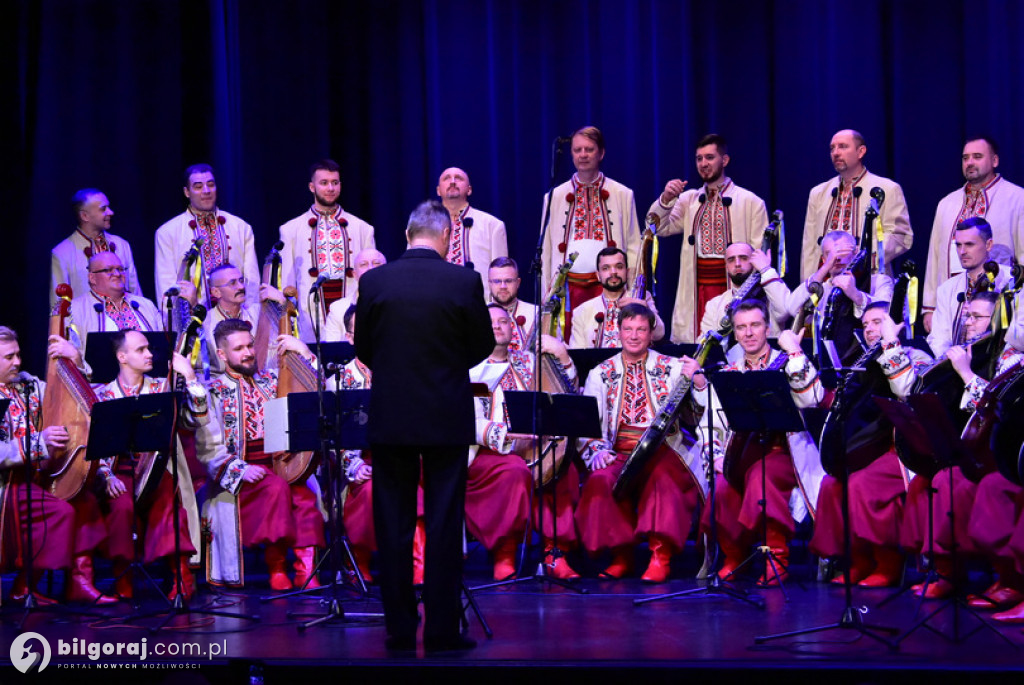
(459, 643)
(400, 644)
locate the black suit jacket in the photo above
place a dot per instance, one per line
(421, 325)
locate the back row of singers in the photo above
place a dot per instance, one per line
(589, 212)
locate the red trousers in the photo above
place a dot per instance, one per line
(915, 520)
(155, 523)
(497, 497)
(52, 523)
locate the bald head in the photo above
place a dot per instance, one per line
(106, 275)
(453, 188)
(847, 150)
(737, 262)
(367, 259)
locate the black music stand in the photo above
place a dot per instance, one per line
(164, 408)
(939, 439)
(546, 415)
(121, 428)
(759, 401)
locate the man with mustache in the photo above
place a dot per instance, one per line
(714, 215)
(69, 259)
(986, 194)
(596, 322)
(839, 205)
(322, 241)
(251, 505)
(228, 291)
(477, 237)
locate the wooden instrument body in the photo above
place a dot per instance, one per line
(271, 312)
(978, 459)
(68, 402)
(294, 375)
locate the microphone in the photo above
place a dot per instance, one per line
(278, 246)
(878, 194)
(172, 292)
(25, 378)
(320, 280)
(777, 216)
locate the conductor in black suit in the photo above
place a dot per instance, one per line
(421, 325)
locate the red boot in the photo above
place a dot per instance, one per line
(661, 556)
(123, 584)
(274, 555)
(557, 568)
(941, 588)
(79, 586)
(888, 568)
(305, 562)
(188, 581)
(19, 591)
(362, 557)
(505, 559)
(621, 565)
(419, 546)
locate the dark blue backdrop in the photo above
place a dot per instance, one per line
(123, 95)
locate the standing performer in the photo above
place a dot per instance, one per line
(477, 237)
(985, 194)
(973, 242)
(69, 260)
(792, 463)
(596, 322)
(713, 216)
(839, 205)
(156, 516)
(106, 306)
(52, 520)
(251, 505)
(631, 388)
(226, 238)
(421, 404)
(322, 242)
(588, 212)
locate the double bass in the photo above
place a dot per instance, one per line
(68, 402)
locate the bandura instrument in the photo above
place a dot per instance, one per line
(978, 458)
(294, 375)
(552, 380)
(663, 422)
(753, 281)
(68, 402)
(271, 312)
(150, 466)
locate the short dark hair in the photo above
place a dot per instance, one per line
(201, 168)
(634, 310)
(747, 305)
(877, 304)
(217, 269)
(117, 340)
(591, 133)
(986, 296)
(229, 326)
(502, 262)
(978, 222)
(610, 252)
(81, 198)
(992, 144)
(323, 165)
(348, 317)
(715, 139)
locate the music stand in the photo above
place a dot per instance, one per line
(940, 440)
(295, 424)
(99, 355)
(545, 415)
(121, 428)
(756, 402)
(162, 408)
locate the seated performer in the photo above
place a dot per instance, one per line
(793, 467)
(107, 306)
(595, 323)
(973, 239)
(839, 249)
(69, 259)
(741, 260)
(914, 529)
(228, 292)
(51, 520)
(252, 505)
(877, 490)
(503, 282)
(498, 490)
(630, 389)
(155, 517)
(334, 326)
